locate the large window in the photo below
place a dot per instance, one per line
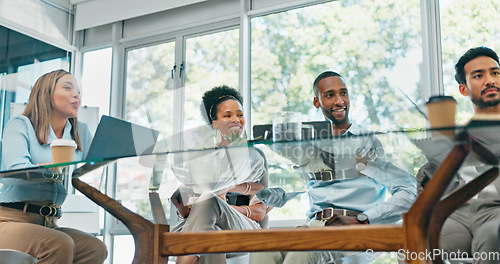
(96, 79)
(375, 45)
(149, 97)
(466, 24)
(211, 60)
(150, 87)
(149, 102)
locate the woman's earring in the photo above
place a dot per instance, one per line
(218, 137)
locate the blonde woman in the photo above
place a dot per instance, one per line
(25, 223)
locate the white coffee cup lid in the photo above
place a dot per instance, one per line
(63, 142)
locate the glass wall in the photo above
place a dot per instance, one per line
(466, 24)
(22, 60)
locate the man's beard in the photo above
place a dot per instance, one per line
(481, 103)
(328, 114)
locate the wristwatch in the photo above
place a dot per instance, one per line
(362, 218)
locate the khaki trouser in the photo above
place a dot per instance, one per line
(475, 230)
(49, 244)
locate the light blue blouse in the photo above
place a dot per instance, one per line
(21, 149)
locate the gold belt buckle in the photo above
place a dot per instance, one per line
(52, 210)
(322, 173)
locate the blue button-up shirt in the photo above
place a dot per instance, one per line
(366, 193)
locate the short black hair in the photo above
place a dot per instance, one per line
(322, 76)
(468, 56)
(214, 97)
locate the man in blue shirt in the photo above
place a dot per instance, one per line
(346, 196)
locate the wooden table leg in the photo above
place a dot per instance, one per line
(416, 221)
(448, 205)
(146, 234)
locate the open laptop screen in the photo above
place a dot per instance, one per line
(118, 138)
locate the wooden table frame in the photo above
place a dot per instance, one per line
(418, 234)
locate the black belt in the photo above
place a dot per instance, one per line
(43, 210)
(328, 212)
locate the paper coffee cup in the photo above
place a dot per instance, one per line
(441, 112)
(63, 150)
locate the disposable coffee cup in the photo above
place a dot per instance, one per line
(63, 150)
(441, 111)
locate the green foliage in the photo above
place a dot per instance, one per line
(466, 24)
(149, 87)
(358, 39)
(211, 60)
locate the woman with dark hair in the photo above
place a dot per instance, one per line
(25, 225)
(222, 108)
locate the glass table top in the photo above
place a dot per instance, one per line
(190, 158)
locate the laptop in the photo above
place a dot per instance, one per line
(322, 130)
(118, 138)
